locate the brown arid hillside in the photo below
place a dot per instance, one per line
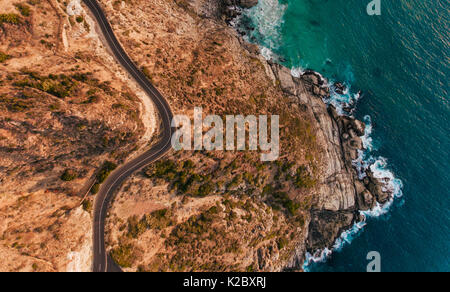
(66, 108)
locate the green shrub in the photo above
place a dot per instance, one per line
(95, 188)
(147, 73)
(79, 19)
(10, 18)
(16, 104)
(282, 243)
(159, 219)
(60, 86)
(23, 9)
(136, 227)
(105, 171)
(87, 205)
(283, 199)
(4, 57)
(163, 169)
(303, 179)
(69, 175)
(206, 189)
(124, 255)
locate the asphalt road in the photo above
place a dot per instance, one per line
(102, 261)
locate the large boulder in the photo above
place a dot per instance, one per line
(326, 227)
(375, 186)
(364, 197)
(359, 127)
(340, 88)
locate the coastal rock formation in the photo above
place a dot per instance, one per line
(341, 193)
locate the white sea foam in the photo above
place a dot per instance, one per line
(345, 103)
(319, 256)
(392, 184)
(367, 139)
(268, 54)
(364, 160)
(297, 72)
(267, 16)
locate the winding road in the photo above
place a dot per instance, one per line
(102, 261)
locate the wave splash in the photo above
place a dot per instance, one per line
(263, 23)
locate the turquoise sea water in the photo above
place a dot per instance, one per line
(401, 62)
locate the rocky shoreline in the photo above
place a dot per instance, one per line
(342, 195)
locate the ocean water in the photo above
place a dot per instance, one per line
(401, 63)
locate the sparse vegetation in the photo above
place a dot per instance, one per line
(278, 198)
(69, 175)
(183, 178)
(159, 220)
(4, 57)
(57, 85)
(102, 175)
(87, 205)
(282, 242)
(10, 18)
(23, 9)
(147, 73)
(124, 255)
(303, 179)
(15, 104)
(105, 171)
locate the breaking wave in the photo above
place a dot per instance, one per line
(264, 21)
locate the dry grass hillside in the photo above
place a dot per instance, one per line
(210, 211)
(65, 109)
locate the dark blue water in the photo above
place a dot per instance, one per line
(401, 61)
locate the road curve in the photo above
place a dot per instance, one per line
(102, 261)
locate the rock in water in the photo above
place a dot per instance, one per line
(340, 88)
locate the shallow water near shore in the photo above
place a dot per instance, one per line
(400, 60)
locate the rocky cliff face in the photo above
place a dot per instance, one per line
(341, 194)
